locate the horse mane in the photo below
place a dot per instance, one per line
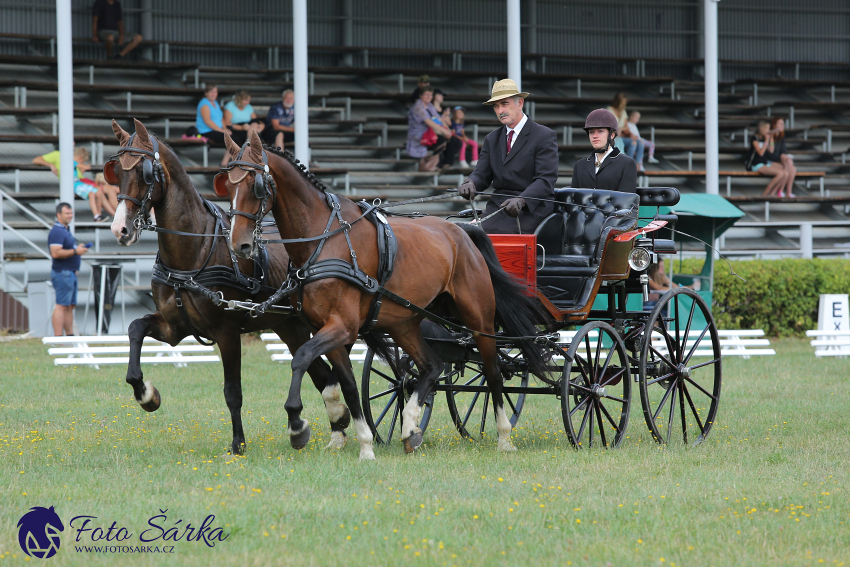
(290, 157)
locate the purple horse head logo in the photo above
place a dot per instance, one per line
(38, 532)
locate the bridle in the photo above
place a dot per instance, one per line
(264, 187)
(152, 173)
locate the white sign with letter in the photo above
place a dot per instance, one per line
(833, 313)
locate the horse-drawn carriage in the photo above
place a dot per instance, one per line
(581, 264)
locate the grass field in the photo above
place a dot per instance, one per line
(769, 487)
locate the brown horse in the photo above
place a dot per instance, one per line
(151, 178)
(437, 265)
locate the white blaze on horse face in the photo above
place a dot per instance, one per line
(503, 426)
(410, 417)
(364, 437)
(120, 220)
(233, 208)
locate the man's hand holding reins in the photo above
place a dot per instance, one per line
(467, 190)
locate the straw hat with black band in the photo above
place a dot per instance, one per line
(505, 88)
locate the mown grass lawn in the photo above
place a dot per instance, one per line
(768, 488)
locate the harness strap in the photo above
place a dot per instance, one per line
(178, 300)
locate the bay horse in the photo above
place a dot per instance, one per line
(437, 264)
(151, 178)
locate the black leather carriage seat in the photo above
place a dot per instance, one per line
(571, 238)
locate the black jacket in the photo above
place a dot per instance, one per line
(618, 172)
(530, 170)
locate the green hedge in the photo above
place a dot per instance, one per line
(779, 296)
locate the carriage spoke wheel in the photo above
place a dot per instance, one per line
(471, 411)
(596, 388)
(383, 394)
(680, 368)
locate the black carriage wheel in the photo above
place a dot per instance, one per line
(471, 411)
(383, 394)
(596, 388)
(680, 385)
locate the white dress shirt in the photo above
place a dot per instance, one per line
(610, 149)
(516, 130)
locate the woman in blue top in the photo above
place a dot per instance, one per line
(239, 116)
(209, 119)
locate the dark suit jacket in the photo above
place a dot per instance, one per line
(618, 172)
(530, 170)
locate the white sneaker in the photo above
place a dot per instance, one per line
(473, 163)
(463, 163)
(652, 160)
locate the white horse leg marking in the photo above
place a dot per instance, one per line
(503, 426)
(299, 431)
(364, 437)
(333, 406)
(120, 220)
(148, 395)
(338, 440)
(410, 417)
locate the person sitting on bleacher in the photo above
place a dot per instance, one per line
(781, 156)
(240, 118)
(761, 150)
(209, 120)
(280, 121)
(107, 25)
(84, 188)
(424, 129)
(605, 168)
(424, 81)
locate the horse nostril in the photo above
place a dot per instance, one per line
(123, 231)
(245, 249)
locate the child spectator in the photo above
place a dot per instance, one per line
(240, 118)
(761, 149)
(634, 118)
(109, 198)
(83, 188)
(209, 120)
(459, 131)
(779, 154)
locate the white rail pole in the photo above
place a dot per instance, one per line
(712, 134)
(514, 43)
(299, 53)
(65, 77)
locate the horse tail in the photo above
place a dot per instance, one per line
(516, 312)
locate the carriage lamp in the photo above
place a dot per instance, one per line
(644, 281)
(639, 259)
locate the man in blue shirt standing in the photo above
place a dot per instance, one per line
(63, 273)
(280, 121)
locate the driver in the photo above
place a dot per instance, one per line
(606, 167)
(520, 159)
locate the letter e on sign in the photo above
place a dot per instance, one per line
(833, 313)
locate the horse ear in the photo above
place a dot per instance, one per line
(142, 134)
(232, 147)
(256, 147)
(120, 133)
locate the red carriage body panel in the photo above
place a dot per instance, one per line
(518, 256)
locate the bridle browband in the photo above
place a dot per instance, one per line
(152, 172)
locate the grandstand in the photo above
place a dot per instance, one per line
(363, 64)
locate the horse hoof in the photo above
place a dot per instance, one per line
(151, 400)
(506, 446)
(300, 440)
(367, 455)
(338, 440)
(344, 420)
(413, 442)
(237, 448)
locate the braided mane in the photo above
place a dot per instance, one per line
(290, 157)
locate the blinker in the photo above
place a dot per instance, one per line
(109, 172)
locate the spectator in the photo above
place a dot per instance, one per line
(422, 118)
(459, 132)
(618, 109)
(659, 284)
(439, 96)
(107, 25)
(240, 118)
(779, 154)
(109, 194)
(209, 119)
(453, 143)
(634, 118)
(761, 148)
(63, 272)
(424, 81)
(280, 121)
(84, 188)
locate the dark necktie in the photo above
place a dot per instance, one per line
(510, 139)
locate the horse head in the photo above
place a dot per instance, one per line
(247, 183)
(137, 169)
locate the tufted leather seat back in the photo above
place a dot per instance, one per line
(586, 214)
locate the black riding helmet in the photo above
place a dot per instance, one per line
(602, 118)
